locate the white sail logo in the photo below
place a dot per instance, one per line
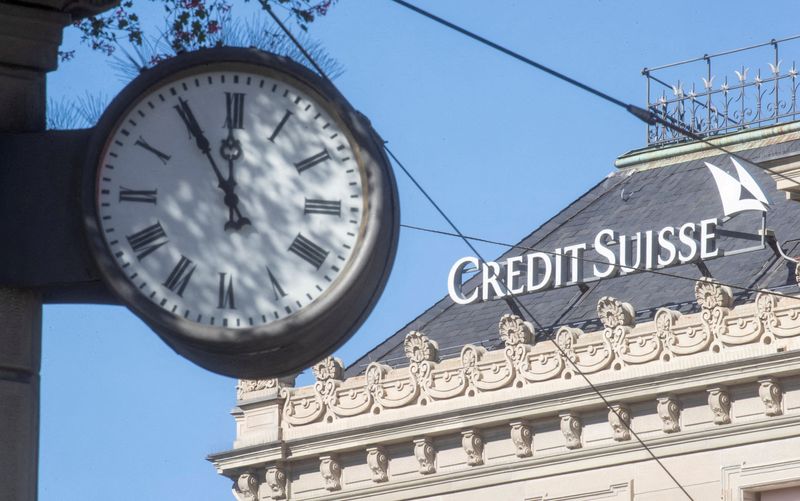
(738, 195)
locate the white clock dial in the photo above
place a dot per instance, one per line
(230, 198)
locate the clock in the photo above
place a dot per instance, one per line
(237, 204)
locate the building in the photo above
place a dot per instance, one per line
(477, 402)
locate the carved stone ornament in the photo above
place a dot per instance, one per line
(425, 454)
(797, 273)
(472, 442)
(710, 294)
(513, 330)
(614, 313)
(719, 399)
(245, 386)
(522, 436)
(276, 482)
(571, 427)
(419, 348)
(378, 462)
(769, 389)
(245, 488)
(619, 417)
(328, 368)
(670, 412)
(331, 471)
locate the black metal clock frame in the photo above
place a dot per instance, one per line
(290, 344)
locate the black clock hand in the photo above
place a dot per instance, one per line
(231, 199)
(231, 150)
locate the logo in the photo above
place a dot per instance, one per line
(738, 195)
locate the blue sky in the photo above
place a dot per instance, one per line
(499, 145)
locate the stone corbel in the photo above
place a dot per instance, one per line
(719, 399)
(522, 437)
(275, 482)
(619, 417)
(245, 488)
(769, 389)
(472, 442)
(425, 454)
(331, 471)
(571, 427)
(670, 413)
(378, 462)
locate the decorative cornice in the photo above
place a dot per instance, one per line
(619, 417)
(669, 410)
(378, 462)
(769, 389)
(425, 454)
(245, 488)
(719, 400)
(622, 343)
(331, 472)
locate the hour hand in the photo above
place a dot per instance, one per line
(185, 112)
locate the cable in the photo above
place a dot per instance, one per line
(561, 254)
(647, 116)
(511, 299)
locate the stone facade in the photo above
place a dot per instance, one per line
(715, 394)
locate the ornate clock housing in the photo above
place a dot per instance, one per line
(238, 204)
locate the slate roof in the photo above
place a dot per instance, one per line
(627, 201)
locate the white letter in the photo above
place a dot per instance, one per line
(626, 253)
(708, 239)
(491, 280)
(575, 253)
(511, 274)
(533, 271)
(687, 238)
(664, 243)
(603, 250)
(454, 281)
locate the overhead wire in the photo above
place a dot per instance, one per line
(594, 261)
(647, 116)
(644, 115)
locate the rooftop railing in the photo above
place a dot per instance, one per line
(722, 103)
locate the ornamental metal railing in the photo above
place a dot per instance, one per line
(719, 104)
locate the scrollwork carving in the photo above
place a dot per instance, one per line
(669, 411)
(513, 330)
(276, 482)
(378, 462)
(425, 455)
(572, 428)
(769, 389)
(472, 442)
(331, 472)
(245, 488)
(715, 301)
(719, 400)
(522, 437)
(619, 417)
(617, 319)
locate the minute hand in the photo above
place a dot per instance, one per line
(226, 185)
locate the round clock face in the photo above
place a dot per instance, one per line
(230, 197)
(230, 201)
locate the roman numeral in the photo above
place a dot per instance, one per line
(312, 161)
(330, 207)
(308, 250)
(179, 278)
(160, 154)
(146, 241)
(234, 110)
(144, 196)
(280, 126)
(226, 292)
(276, 286)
